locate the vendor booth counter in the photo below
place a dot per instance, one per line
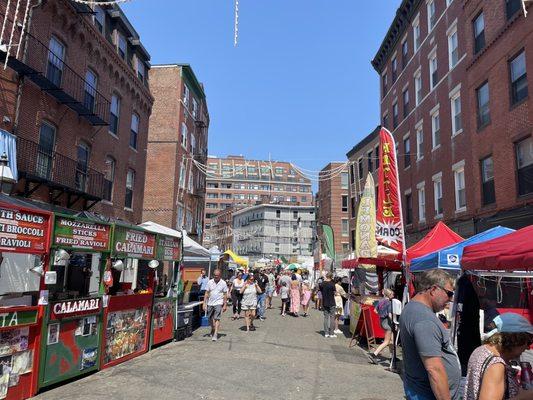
(24, 242)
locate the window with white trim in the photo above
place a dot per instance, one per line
(114, 115)
(419, 142)
(122, 46)
(416, 33)
(184, 135)
(453, 47)
(437, 194)
(418, 88)
(130, 182)
(99, 18)
(433, 70)
(194, 108)
(186, 93)
(345, 227)
(432, 15)
(421, 202)
(435, 129)
(457, 124)
(134, 131)
(524, 166)
(460, 187)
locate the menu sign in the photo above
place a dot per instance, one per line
(17, 318)
(23, 231)
(71, 308)
(168, 248)
(77, 234)
(133, 243)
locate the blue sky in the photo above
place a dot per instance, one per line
(298, 87)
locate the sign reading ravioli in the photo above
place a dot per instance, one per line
(76, 234)
(23, 231)
(71, 308)
(168, 248)
(133, 243)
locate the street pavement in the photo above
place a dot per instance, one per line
(285, 358)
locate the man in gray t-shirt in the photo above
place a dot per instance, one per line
(431, 366)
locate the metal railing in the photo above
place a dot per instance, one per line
(36, 163)
(53, 75)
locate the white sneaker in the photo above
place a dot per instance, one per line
(333, 336)
(326, 335)
(337, 331)
(214, 338)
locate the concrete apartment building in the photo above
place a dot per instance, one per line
(272, 230)
(499, 67)
(363, 158)
(333, 202)
(235, 180)
(422, 67)
(175, 187)
(76, 98)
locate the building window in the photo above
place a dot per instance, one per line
(394, 68)
(453, 48)
(344, 203)
(483, 110)
(360, 168)
(418, 88)
(394, 115)
(186, 95)
(376, 156)
(432, 18)
(121, 45)
(519, 88)
(386, 121)
(141, 69)
(408, 209)
(184, 135)
(487, 181)
(512, 7)
(82, 167)
(433, 73)
(405, 51)
(416, 34)
(405, 96)
(344, 180)
(295, 214)
(56, 59)
(278, 213)
(130, 182)
(99, 18)
(479, 33)
(90, 90)
(421, 202)
(352, 206)
(110, 164)
(45, 152)
(435, 129)
(407, 152)
(114, 115)
(134, 132)
(524, 160)
(182, 175)
(419, 143)
(384, 84)
(437, 192)
(194, 108)
(460, 191)
(345, 227)
(457, 124)
(369, 157)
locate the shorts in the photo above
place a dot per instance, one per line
(269, 292)
(385, 324)
(248, 307)
(285, 300)
(214, 312)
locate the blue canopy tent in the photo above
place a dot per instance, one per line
(450, 257)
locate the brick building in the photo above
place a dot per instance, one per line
(237, 181)
(332, 200)
(499, 65)
(222, 227)
(76, 97)
(175, 188)
(363, 158)
(422, 67)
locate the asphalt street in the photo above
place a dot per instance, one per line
(285, 358)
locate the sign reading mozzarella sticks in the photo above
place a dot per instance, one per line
(81, 234)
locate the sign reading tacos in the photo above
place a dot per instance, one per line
(23, 232)
(133, 243)
(168, 248)
(76, 234)
(71, 308)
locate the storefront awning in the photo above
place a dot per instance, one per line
(162, 230)
(228, 254)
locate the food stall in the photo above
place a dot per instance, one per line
(168, 253)
(24, 245)
(73, 316)
(129, 294)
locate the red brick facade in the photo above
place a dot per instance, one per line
(175, 187)
(333, 204)
(85, 49)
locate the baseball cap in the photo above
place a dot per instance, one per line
(511, 323)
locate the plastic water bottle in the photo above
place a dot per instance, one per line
(526, 376)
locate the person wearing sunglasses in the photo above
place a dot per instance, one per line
(431, 366)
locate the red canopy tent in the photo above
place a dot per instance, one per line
(439, 237)
(512, 252)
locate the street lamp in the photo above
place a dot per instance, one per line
(7, 181)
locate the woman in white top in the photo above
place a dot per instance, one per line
(249, 291)
(236, 295)
(340, 293)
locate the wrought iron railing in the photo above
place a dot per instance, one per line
(37, 163)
